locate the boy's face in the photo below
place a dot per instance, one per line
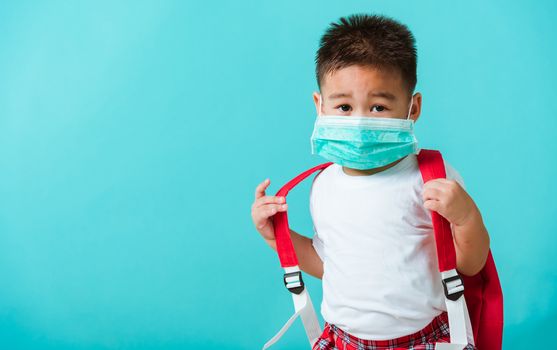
(366, 91)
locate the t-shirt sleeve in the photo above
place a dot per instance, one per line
(317, 243)
(316, 240)
(452, 174)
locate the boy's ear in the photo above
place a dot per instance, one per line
(416, 107)
(316, 96)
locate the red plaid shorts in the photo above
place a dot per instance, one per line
(334, 338)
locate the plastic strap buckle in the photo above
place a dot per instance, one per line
(293, 282)
(453, 286)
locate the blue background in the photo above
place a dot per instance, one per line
(133, 134)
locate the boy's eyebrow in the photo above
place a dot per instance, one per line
(383, 94)
(339, 95)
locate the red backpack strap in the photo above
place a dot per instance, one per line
(483, 292)
(292, 274)
(432, 167)
(285, 248)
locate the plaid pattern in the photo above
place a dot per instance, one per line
(334, 338)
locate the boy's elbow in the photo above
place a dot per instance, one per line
(469, 271)
(474, 264)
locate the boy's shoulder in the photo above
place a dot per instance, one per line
(450, 172)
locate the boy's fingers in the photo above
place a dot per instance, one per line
(432, 193)
(441, 181)
(261, 217)
(432, 205)
(274, 208)
(444, 180)
(260, 189)
(268, 200)
(436, 183)
(267, 210)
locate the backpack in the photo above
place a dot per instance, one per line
(474, 303)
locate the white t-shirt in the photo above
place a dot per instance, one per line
(375, 238)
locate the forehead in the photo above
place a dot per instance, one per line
(361, 80)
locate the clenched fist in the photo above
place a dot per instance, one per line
(450, 200)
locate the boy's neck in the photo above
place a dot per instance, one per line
(357, 172)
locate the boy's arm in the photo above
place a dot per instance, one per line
(308, 260)
(471, 244)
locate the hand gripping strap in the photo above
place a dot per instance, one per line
(285, 249)
(432, 167)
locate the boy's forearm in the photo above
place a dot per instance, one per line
(308, 260)
(472, 245)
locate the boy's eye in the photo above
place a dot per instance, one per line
(378, 108)
(344, 108)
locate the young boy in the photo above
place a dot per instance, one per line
(374, 245)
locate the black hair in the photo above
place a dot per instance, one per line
(368, 40)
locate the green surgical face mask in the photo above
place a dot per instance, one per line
(359, 142)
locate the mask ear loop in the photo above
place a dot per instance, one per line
(410, 109)
(320, 104)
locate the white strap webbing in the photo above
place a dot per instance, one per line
(459, 322)
(303, 308)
